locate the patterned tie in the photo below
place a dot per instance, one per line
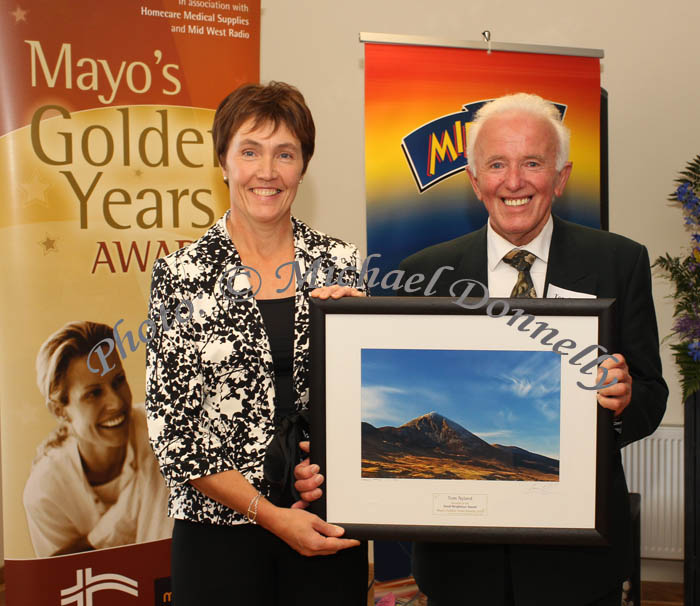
(522, 260)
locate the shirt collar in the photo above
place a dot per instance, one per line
(497, 246)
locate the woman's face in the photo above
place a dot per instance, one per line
(99, 407)
(263, 168)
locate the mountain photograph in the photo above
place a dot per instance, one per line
(509, 400)
(434, 447)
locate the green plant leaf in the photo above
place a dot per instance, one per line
(684, 274)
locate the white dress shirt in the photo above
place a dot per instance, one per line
(502, 277)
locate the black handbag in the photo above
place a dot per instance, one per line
(282, 456)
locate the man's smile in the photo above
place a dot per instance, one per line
(516, 201)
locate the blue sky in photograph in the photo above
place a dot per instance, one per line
(504, 397)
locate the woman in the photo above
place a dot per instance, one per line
(95, 482)
(218, 384)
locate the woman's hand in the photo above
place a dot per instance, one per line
(336, 292)
(301, 530)
(308, 480)
(306, 533)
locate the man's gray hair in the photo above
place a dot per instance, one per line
(521, 102)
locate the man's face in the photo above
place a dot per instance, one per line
(517, 178)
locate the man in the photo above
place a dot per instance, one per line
(518, 152)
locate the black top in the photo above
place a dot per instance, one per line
(278, 316)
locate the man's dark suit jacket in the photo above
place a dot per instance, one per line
(585, 260)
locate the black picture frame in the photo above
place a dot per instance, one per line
(353, 314)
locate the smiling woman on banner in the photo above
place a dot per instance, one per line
(95, 482)
(221, 386)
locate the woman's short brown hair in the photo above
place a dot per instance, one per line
(276, 102)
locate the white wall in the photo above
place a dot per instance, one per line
(650, 69)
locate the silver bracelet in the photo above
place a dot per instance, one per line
(252, 512)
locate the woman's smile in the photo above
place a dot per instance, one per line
(113, 421)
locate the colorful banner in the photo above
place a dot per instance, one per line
(419, 103)
(108, 164)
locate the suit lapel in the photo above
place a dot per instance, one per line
(473, 263)
(566, 267)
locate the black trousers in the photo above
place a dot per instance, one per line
(502, 593)
(246, 565)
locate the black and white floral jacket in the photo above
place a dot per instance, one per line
(210, 388)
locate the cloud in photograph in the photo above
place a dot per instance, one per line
(379, 405)
(510, 397)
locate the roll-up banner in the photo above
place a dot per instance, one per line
(421, 95)
(108, 164)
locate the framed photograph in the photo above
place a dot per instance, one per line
(477, 422)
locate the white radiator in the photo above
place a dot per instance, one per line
(654, 469)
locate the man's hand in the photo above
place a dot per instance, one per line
(308, 480)
(616, 397)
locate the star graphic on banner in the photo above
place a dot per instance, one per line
(19, 14)
(49, 244)
(35, 191)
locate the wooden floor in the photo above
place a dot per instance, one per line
(662, 594)
(405, 591)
